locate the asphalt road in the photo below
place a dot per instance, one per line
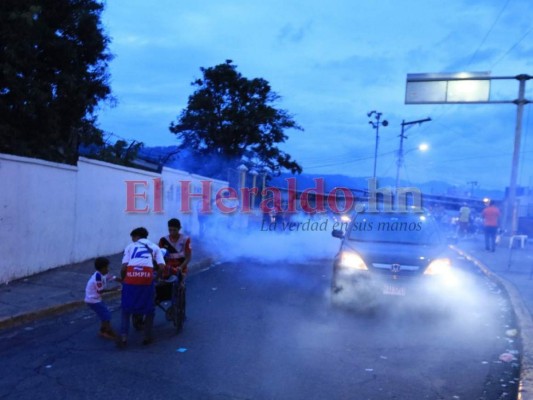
(268, 331)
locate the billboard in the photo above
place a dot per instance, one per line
(456, 88)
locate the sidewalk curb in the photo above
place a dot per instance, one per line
(525, 322)
(19, 319)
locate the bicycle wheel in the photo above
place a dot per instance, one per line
(179, 313)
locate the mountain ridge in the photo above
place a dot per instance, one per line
(306, 180)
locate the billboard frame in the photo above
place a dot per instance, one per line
(511, 215)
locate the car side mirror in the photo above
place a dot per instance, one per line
(337, 233)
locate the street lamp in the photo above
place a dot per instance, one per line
(400, 151)
(422, 147)
(376, 125)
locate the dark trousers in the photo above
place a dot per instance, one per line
(138, 299)
(148, 324)
(490, 237)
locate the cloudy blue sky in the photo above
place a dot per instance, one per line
(333, 62)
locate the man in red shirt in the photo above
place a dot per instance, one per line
(491, 219)
(178, 248)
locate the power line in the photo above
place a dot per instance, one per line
(493, 156)
(511, 48)
(389, 168)
(335, 158)
(351, 161)
(488, 33)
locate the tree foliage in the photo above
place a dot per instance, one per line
(121, 152)
(53, 74)
(230, 120)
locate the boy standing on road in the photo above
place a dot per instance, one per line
(93, 296)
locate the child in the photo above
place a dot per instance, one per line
(93, 296)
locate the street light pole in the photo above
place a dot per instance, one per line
(512, 211)
(376, 125)
(472, 184)
(400, 151)
(435, 89)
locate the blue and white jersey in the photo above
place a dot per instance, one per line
(138, 255)
(138, 291)
(95, 286)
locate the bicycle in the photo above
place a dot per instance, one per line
(172, 290)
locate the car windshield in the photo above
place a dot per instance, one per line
(410, 228)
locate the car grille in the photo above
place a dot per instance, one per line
(404, 269)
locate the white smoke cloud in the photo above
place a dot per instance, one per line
(305, 238)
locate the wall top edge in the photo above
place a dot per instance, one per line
(37, 161)
(51, 164)
(116, 166)
(192, 175)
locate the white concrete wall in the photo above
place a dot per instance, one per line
(172, 199)
(37, 217)
(52, 214)
(102, 223)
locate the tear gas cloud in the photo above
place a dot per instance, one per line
(238, 236)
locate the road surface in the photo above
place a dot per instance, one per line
(268, 331)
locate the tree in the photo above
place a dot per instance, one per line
(230, 120)
(53, 74)
(121, 152)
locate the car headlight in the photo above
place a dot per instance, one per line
(352, 261)
(439, 266)
(345, 218)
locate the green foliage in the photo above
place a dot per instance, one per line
(230, 120)
(121, 152)
(53, 74)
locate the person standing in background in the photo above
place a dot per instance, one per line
(464, 220)
(491, 220)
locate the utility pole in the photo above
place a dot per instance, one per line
(511, 208)
(376, 125)
(400, 151)
(472, 184)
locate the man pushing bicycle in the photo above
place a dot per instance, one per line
(178, 247)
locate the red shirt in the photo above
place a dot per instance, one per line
(181, 250)
(491, 215)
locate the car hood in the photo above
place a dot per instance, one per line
(380, 253)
